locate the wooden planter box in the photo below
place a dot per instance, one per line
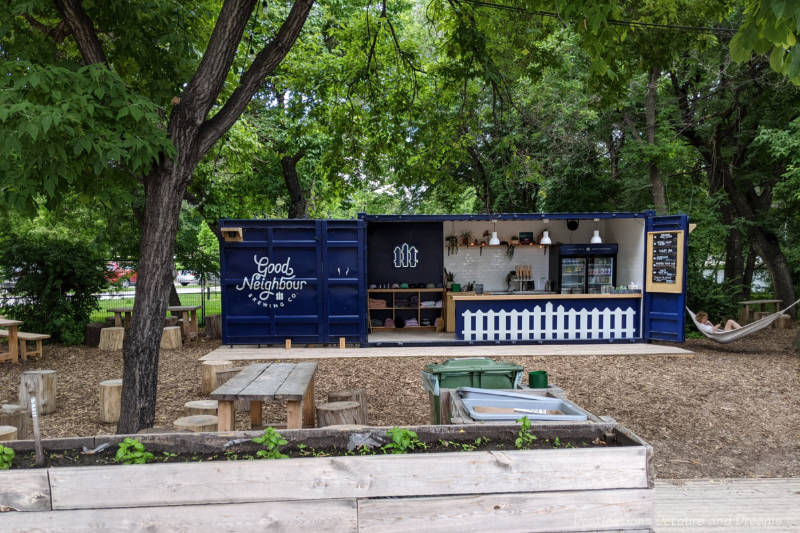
(573, 489)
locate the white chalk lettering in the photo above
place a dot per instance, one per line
(271, 279)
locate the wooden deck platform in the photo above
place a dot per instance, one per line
(254, 353)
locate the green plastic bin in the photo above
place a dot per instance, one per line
(480, 372)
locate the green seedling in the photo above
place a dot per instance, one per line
(131, 451)
(403, 441)
(6, 457)
(303, 450)
(556, 443)
(365, 450)
(524, 438)
(271, 440)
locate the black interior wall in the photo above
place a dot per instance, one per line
(426, 237)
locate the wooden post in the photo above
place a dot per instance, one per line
(225, 413)
(337, 413)
(18, 416)
(341, 343)
(209, 374)
(308, 406)
(200, 407)
(111, 339)
(353, 395)
(288, 344)
(110, 400)
(214, 326)
(8, 433)
(196, 423)
(43, 383)
(171, 338)
(294, 414)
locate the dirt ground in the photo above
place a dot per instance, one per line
(731, 411)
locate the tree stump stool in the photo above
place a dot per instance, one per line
(170, 321)
(39, 383)
(171, 338)
(111, 339)
(196, 423)
(12, 414)
(110, 400)
(8, 433)
(213, 326)
(92, 336)
(352, 395)
(201, 407)
(783, 322)
(223, 376)
(337, 413)
(209, 374)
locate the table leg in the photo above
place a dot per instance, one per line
(225, 413)
(128, 320)
(195, 331)
(308, 406)
(745, 316)
(13, 344)
(185, 327)
(294, 418)
(255, 413)
(118, 320)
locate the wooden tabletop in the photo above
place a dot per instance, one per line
(756, 302)
(121, 310)
(183, 308)
(4, 322)
(268, 381)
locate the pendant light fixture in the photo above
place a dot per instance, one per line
(494, 241)
(596, 235)
(546, 234)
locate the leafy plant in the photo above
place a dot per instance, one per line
(131, 451)
(271, 440)
(524, 438)
(6, 457)
(403, 440)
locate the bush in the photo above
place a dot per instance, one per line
(56, 285)
(716, 299)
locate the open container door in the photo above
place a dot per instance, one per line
(667, 241)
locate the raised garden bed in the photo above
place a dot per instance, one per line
(546, 489)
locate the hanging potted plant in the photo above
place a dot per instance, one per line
(452, 244)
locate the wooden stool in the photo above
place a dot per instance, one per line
(36, 339)
(110, 400)
(111, 339)
(8, 433)
(12, 414)
(201, 407)
(353, 395)
(209, 374)
(92, 336)
(337, 413)
(783, 322)
(43, 385)
(197, 423)
(171, 338)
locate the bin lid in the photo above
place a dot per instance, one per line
(471, 364)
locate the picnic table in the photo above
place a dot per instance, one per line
(190, 330)
(13, 344)
(118, 312)
(745, 314)
(264, 382)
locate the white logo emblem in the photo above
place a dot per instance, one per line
(406, 256)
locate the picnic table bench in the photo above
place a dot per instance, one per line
(24, 338)
(13, 348)
(188, 314)
(263, 382)
(745, 314)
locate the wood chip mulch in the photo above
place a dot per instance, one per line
(731, 411)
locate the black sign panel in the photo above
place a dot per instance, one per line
(665, 257)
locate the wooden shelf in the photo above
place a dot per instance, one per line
(407, 309)
(406, 290)
(409, 327)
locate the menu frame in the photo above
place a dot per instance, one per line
(677, 286)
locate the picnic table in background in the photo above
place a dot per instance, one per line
(744, 316)
(190, 330)
(264, 382)
(118, 312)
(13, 343)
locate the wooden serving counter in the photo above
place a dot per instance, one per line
(541, 296)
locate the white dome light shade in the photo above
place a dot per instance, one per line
(546, 238)
(494, 240)
(596, 237)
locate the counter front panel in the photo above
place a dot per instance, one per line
(553, 318)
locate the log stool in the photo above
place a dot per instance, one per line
(92, 336)
(222, 377)
(783, 322)
(12, 414)
(8, 433)
(42, 384)
(209, 374)
(201, 407)
(171, 338)
(110, 400)
(337, 413)
(197, 423)
(213, 326)
(352, 395)
(111, 339)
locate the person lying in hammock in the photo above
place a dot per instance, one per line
(708, 327)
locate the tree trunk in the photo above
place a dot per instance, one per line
(734, 251)
(298, 206)
(656, 185)
(766, 244)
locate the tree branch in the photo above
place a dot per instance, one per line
(57, 33)
(83, 31)
(265, 62)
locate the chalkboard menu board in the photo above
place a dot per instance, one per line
(665, 261)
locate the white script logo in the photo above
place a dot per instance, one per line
(270, 279)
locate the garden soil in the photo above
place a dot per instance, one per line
(731, 411)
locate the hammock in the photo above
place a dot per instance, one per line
(724, 337)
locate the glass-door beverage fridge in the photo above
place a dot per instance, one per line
(583, 268)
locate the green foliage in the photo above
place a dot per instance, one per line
(131, 451)
(524, 438)
(271, 440)
(403, 441)
(57, 282)
(6, 457)
(770, 27)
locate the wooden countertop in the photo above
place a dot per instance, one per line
(544, 296)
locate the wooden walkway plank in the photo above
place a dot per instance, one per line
(330, 515)
(544, 511)
(348, 477)
(296, 384)
(24, 490)
(231, 388)
(726, 505)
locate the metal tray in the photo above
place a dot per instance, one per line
(569, 410)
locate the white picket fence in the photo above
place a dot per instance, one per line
(550, 324)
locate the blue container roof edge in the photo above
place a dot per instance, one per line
(505, 216)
